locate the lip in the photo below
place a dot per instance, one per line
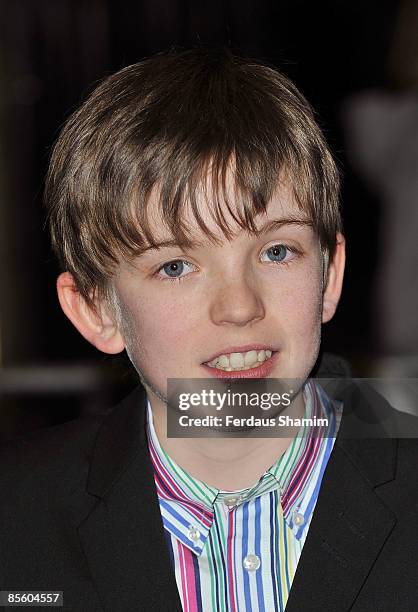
(241, 349)
(262, 371)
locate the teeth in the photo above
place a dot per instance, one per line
(236, 360)
(261, 355)
(240, 361)
(250, 358)
(223, 361)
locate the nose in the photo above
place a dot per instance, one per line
(236, 301)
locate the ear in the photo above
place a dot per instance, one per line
(334, 281)
(96, 327)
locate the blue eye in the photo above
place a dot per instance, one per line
(277, 252)
(176, 270)
(173, 269)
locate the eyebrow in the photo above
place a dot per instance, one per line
(269, 226)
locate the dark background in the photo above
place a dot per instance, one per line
(52, 52)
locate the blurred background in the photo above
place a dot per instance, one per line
(357, 62)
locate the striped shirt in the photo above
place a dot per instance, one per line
(238, 551)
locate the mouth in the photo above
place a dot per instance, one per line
(256, 362)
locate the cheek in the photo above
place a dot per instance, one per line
(156, 327)
(166, 328)
(298, 308)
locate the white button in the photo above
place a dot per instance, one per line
(298, 519)
(234, 500)
(251, 563)
(193, 534)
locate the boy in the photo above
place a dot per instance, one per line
(194, 207)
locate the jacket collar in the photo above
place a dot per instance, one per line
(123, 537)
(120, 439)
(367, 419)
(350, 524)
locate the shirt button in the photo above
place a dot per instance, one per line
(234, 500)
(251, 563)
(193, 534)
(298, 519)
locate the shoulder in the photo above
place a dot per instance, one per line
(41, 442)
(59, 458)
(407, 458)
(54, 458)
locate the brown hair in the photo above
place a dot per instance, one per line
(162, 125)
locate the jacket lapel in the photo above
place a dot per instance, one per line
(350, 524)
(123, 537)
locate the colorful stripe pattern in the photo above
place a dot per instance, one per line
(244, 558)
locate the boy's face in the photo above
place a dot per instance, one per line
(240, 293)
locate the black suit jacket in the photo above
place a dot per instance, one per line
(79, 513)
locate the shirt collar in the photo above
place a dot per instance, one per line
(187, 504)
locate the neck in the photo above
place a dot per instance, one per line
(224, 463)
